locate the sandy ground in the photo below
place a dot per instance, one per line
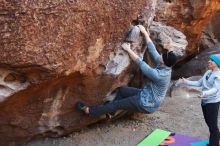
(175, 114)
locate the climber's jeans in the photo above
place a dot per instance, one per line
(210, 113)
(127, 99)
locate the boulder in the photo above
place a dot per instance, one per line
(188, 16)
(54, 53)
(58, 52)
(214, 24)
(168, 38)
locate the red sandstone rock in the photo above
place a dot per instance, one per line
(214, 24)
(187, 16)
(61, 50)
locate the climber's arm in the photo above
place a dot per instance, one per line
(150, 45)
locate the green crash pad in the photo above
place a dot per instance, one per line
(155, 138)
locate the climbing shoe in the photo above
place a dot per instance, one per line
(80, 106)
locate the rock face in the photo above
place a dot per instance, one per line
(54, 36)
(187, 16)
(54, 53)
(211, 34)
(168, 38)
(215, 25)
(60, 51)
(10, 83)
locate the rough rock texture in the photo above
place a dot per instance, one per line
(187, 16)
(61, 50)
(211, 34)
(54, 36)
(208, 39)
(10, 83)
(168, 38)
(215, 25)
(55, 52)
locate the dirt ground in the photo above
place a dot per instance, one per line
(177, 114)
